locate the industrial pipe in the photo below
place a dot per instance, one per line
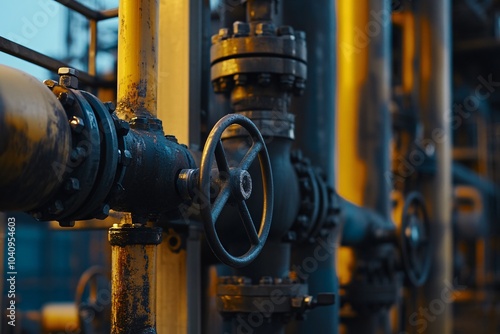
(138, 58)
(364, 130)
(433, 22)
(133, 278)
(35, 141)
(315, 114)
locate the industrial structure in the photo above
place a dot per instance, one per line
(255, 166)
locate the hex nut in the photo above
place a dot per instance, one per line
(66, 99)
(67, 71)
(241, 29)
(285, 31)
(72, 185)
(265, 29)
(103, 212)
(77, 124)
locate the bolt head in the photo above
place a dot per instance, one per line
(69, 81)
(224, 280)
(223, 34)
(67, 71)
(56, 208)
(77, 124)
(122, 127)
(103, 212)
(72, 185)
(285, 31)
(299, 87)
(241, 29)
(264, 79)
(240, 79)
(110, 106)
(242, 280)
(66, 99)
(266, 280)
(286, 81)
(299, 34)
(78, 154)
(216, 87)
(265, 29)
(224, 84)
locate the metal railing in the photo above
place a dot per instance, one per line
(90, 78)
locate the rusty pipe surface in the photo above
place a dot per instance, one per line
(138, 58)
(133, 278)
(35, 136)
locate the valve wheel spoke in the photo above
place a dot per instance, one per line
(248, 223)
(221, 201)
(220, 157)
(251, 155)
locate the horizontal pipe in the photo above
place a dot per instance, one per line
(363, 225)
(35, 137)
(51, 64)
(88, 12)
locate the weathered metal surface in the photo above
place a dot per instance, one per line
(315, 135)
(34, 136)
(137, 59)
(133, 280)
(153, 162)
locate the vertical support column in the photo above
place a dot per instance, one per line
(137, 59)
(315, 116)
(434, 75)
(133, 257)
(180, 69)
(133, 278)
(180, 88)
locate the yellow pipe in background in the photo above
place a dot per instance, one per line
(352, 62)
(179, 74)
(179, 93)
(137, 58)
(406, 20)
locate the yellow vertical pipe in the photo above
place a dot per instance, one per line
(352, 58)
(137, 58)
(133, 278)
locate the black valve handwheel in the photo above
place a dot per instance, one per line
(235, 185)
(93, 311)
(415, 239)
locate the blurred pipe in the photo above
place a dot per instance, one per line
(364, 124)
(35, 141)
(434, 79)
(3, 224)
(315, 135)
